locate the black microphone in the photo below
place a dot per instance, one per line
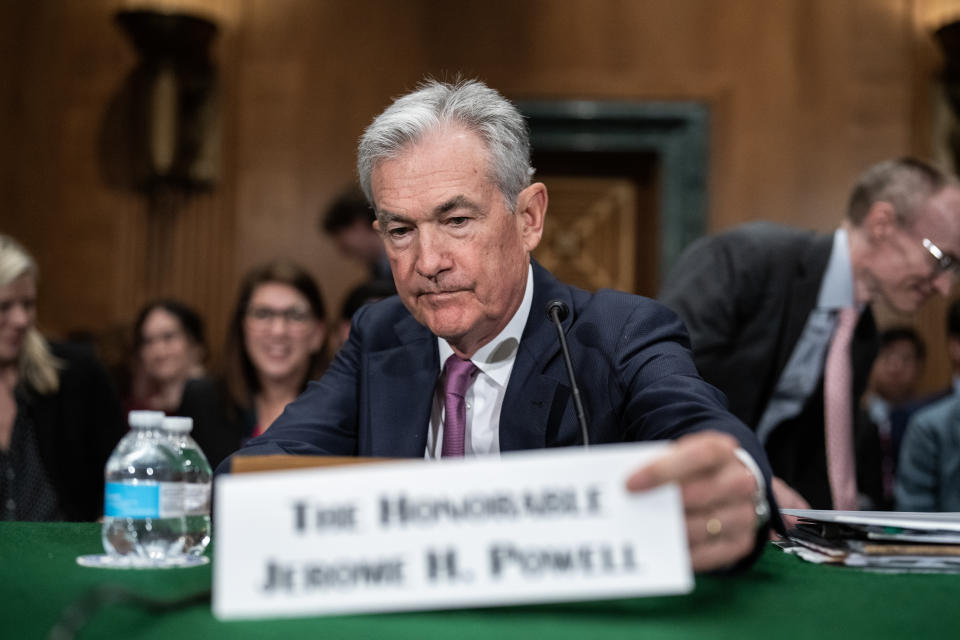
(557, 311)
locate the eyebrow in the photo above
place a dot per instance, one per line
(456, 202)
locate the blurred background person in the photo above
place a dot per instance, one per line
(60, 415)
(794, 308)
(274, 347)
(169, 350)
(349, 222)
(901, 356)
(362, 294)
(928, 469)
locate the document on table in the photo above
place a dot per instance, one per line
(877, 540)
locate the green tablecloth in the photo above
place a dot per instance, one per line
(782, 597)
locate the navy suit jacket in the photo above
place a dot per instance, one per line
(633, 363)
(634, 368)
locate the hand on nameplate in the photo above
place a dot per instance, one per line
(719, 493)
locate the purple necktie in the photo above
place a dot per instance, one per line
(457, 376)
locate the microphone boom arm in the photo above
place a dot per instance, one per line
(556, 311)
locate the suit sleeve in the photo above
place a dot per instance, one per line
(666, 398)
(917, 484)
(714, 285)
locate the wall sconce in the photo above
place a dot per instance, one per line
(162, 131)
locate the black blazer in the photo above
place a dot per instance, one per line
(76, 430)
(745, 296)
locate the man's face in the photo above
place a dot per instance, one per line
(906, 274)
(459, 256)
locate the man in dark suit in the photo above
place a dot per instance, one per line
(447, 170)
(762, 302)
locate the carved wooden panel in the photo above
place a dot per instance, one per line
(590, 237)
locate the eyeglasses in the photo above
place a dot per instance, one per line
(945, 261)
(264, 316)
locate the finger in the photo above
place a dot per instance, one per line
(787, 497)
(728, 522)
(721, 553)
(689, 456)
(731, 483)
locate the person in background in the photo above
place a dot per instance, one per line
(349, 221)
(362, 294)
(780, 318)
(928, 469)
(169, 348)
(274, 346)
(60, 415)
(893, 382)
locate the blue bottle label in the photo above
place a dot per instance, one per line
(132, 500)
(143, 500)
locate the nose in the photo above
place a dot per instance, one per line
(19, 316)
(277, 324)
(433, 255)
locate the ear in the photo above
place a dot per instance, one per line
(879, 222)
(531, 211)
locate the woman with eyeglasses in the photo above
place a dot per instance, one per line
(274, 347)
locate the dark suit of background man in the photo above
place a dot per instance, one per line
(761, 303)
(447, 170)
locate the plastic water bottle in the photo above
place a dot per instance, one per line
(143, 508)
(197, 477)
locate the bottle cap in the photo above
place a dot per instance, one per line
(145, 419)
(178, 424)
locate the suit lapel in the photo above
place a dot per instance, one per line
(530, 392)
(402, 382)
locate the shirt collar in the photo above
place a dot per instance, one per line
(836, 288)
(495, 358)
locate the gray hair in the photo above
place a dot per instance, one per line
(37, 365)
(468, 103)
(904, 183)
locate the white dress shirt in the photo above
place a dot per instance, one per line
(484, 398)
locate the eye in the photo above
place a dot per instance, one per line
(457, 221)
(398, 232)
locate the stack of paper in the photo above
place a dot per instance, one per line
(877, 540)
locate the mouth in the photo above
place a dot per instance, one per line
(276, 352)
(440, 297)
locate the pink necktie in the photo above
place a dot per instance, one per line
(838, 413)
(457, 376)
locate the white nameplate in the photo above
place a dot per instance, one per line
(531, 527)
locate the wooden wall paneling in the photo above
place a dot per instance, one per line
(312, 76)
(803, 95)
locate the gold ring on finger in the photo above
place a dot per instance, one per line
(714, 526)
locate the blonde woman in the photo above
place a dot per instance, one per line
(59, 413)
